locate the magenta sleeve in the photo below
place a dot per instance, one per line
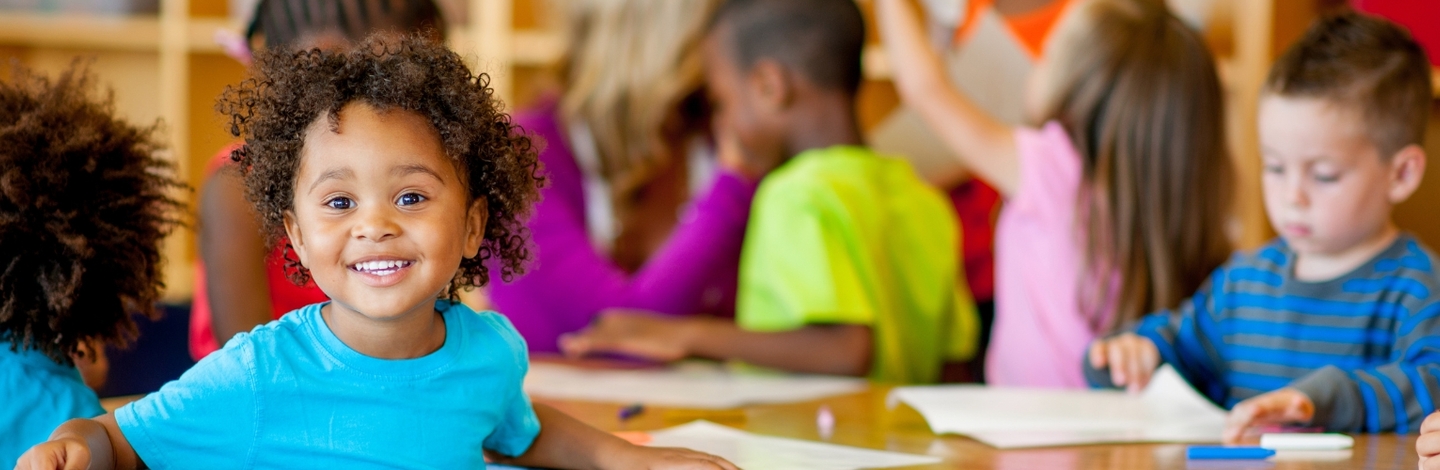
(569, 281)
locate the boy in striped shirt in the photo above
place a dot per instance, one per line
(1337, 323)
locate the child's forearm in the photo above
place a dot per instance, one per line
(565, 442)
(101, 436)
(819, 349)
(983, 143)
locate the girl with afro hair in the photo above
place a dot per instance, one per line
(395, 178)
(84, 204)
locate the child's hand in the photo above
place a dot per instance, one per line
(1132, 360)
(1428, 445)
(1283, 406)
(67, 453)
(633, 333)
(656, 458)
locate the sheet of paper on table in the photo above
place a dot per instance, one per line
(686, 385)
(1169, 410)
(747, 450)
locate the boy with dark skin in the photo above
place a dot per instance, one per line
(773, 105)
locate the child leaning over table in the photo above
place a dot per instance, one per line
(850, 262)
(1335, 324)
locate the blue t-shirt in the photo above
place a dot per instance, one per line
(36, 395)
(290, 394)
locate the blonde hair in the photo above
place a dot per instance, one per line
(631, 65)
(1137, 92)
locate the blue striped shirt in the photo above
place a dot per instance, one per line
(1365, 347)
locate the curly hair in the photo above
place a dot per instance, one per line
(84, 205)
(291, 89)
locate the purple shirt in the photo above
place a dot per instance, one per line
(569, 281)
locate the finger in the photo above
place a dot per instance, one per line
(1428, 445)
(1116, 354)
(1239, 420)
(1097, 354)
(1147, 358)
(77, 457)
(1431, 423)
(1134, 370)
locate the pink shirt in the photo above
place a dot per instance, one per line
(1040, 332)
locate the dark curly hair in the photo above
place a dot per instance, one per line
(291, 89)
(84, 204)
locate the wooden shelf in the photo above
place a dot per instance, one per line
(120, 33)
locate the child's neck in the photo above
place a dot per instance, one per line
(826, 119)
(1320, 267)
(416, 333)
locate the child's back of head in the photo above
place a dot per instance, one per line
(1137, 92)
(818, 39)
(84, 204)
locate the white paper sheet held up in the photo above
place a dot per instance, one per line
(1168, 411)
(685, 385)
(748, 450)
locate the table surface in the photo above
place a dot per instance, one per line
(863, 420)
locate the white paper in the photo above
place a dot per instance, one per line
(1168, 411)
(754, 451)
(684, 385)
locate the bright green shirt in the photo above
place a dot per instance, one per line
(842, 235)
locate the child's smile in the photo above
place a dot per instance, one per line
(382, 218)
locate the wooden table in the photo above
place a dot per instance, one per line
(864, 420)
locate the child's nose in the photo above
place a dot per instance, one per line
(376, 224)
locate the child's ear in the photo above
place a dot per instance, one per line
(771, 82)
(1407, 168)
(297, 238)
(475, 226)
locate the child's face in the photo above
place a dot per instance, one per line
(381, 217)
(1327, 189)
(740, 105)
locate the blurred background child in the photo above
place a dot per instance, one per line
(850, 265)
(84, 204)
(637, 214)
(1115, 205)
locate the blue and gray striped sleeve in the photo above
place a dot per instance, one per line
(1394, 396)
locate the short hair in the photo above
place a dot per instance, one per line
(84, 205)
(1365, 62)
(820, 39)
(285, 22)
(292, 89)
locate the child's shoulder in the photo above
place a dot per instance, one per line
(486, 324)
(850, 171)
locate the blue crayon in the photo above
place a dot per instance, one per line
(1227, 453)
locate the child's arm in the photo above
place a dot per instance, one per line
(83, 444)
(565, 442)
(235, 256)
(1394, 396)
(1428, 445)
(983, 143)
(818, 349)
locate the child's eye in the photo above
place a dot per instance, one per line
(1327, 177)
(409, 199)
(1275, 169)
(340, 203)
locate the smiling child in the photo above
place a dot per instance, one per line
(396, 178)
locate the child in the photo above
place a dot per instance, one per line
(395, 176)
(849, 264)
(1115, 204)
(238, 284)
(78, 188)
(1328, 325)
